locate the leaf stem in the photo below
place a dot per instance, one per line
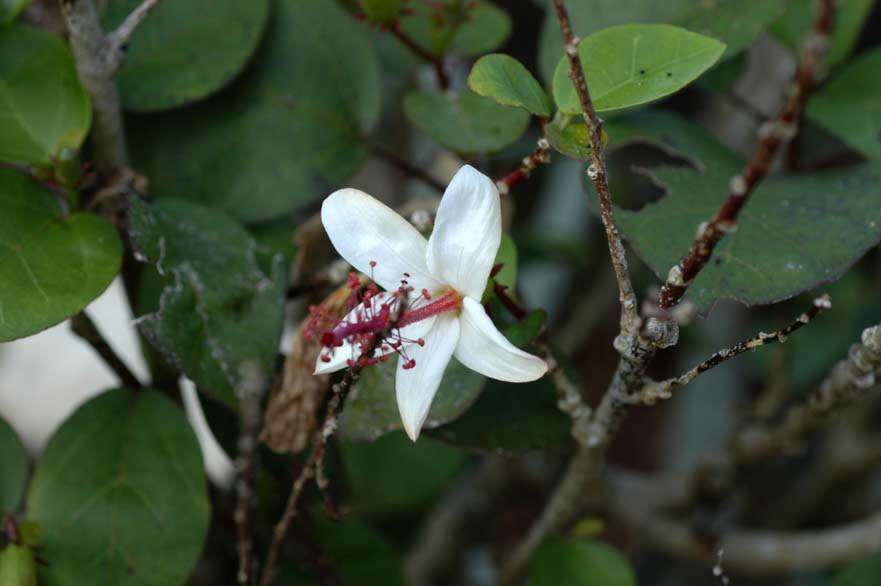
(437, 62)
(773, 134)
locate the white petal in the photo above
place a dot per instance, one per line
(415, 388)
(340, 356)
(363, 229)
(483, 348)
(467, 232)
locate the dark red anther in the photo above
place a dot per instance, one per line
(421, 341)
(409, 364)
(426, 294)
(373, 264)
(328, 340)
(325, 358)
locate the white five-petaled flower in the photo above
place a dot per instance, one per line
(457, 259)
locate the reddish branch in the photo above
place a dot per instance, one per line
(773, 135)
(597, 173)
(539, 156)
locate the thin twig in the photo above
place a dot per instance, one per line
(773, 135)
(653, 391)
(83, 326)
(118, 39)
(630, 321)
(319, 444)
(249, 392)
(399, 162)
(849, 380)
(539, 156)
(443, 80)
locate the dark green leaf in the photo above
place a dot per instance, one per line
(507, 275)
(186, 49)
(523, 333)
(504, 80)
(395, 475)
(465, 122)
(9, 9)
(849, 106)
(120, 494)
(734, 22)
(795, 233)
(275, 139)
(43, 108)
(14, 465)
(635, 64)
(381, 10)
(579, 563)
(220, 311)
(17, 566)
(471, 28)
(510, 418)
(372, 409)
(797, 21)
(866, 572)
(361, 556)
(51, 266)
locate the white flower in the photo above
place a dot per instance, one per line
(454, 264)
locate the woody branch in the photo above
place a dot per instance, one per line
(773, 134)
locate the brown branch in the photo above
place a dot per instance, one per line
(443, 80)
(319, 444)
(630, 321)
(849, 380)
(249, 392)
(83, 326)
(653, 391)
(772, 135)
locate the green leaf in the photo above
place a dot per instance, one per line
(10, 9)
(523, 333)
(14, 465)
(579, 563)
(220, 311)
(51, 266)
(865, 572)
(635, 64)
(737, 23)
(274, 140)
(507, 275)
(797, 21)
(510, 418)
(394, 475)
(178, 55)
(361, 556)
(465, 122)
(471, 28)
(372, 409)
(43, 108)
(17, 566)
(381, 10)
(849, 106)
(504, 80)
(120, 494)
(795, 233)
(569, 135)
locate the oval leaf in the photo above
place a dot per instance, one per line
(178, 55)
(14, 465)
(849, 106)
(43, 107)
(472, 28)
(219, 310)
(51, 266)
(504, 80)
(372, 410)
(291, 126)
(635, 64)
(120, 494)
(579, 563)
(737, 23)
(866, 572)
(465, 122)
(796, 232)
